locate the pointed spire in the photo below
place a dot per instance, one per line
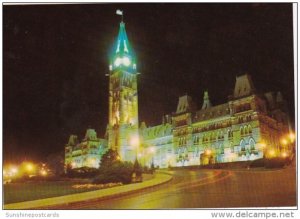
(206, 101)
(122, 55)
(122, 46)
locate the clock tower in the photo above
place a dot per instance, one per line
(123, 134)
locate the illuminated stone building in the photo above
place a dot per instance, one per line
(248, 126)
(86, 153)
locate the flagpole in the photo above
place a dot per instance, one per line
(119, 12)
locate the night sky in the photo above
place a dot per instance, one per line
(55, 58)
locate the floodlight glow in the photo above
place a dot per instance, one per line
(43, 172)
(152, 150)
(292, 136)
(73, 164)
(272, 153)
(263, 145)
(208, 152)
(13, 171)
(284, 141)
(29, 167)
(284, 154)
(135, 141)
(118, 61)
(126, 61)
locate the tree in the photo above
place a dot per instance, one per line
(137, 168)
(118, 171)
(109, 158)
(152, 168)
(112, 169)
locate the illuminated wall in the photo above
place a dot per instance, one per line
(248, 127)
(86, 153)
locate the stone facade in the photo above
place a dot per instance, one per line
(86, 153)
(247, 127)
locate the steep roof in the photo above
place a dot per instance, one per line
(185, 104)
(212, 112)
(243, 86)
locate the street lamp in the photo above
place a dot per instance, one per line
(43, 172)
(29, 167)
(13, 171)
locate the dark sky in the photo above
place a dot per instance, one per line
(56, 57)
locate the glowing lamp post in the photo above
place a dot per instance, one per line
(288, 141)
(29, 167)
(13, 171)
(43, 172)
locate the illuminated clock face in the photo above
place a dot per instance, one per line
(122, 61)
(118, 61)
(126, 61)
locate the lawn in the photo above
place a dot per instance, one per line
(18, 192)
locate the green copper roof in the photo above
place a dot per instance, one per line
(122, 51)
(123, 46)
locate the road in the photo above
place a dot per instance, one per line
(208, 189)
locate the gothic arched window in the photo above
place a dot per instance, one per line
(222, 149)
(246, 130)
(231, 147)
(252, 144)
(243, 144)
(250, 129)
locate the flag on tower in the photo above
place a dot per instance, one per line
(119, 12)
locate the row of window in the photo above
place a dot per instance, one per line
(220, 147)
(246, 130)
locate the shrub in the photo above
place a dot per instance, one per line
(118, 172)
(82, 172)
